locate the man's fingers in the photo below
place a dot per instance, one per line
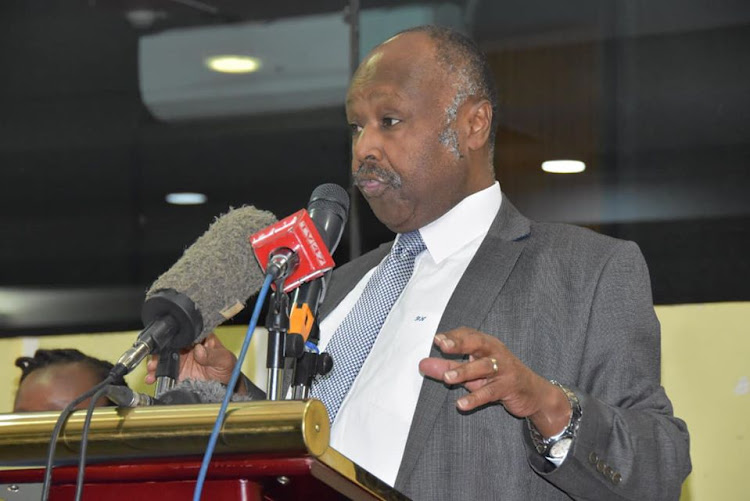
(435, 368)
(482, 368)
(466, 341)
(491, 374)
(471, 374)
(482, 391)
(200, 354)
(484, 394)
(151, 370)
(211, 341)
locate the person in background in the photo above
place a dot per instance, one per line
(51, 379)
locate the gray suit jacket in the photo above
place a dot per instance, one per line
(574, 306)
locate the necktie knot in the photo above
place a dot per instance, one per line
(409, 244)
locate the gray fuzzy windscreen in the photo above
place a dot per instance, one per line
(207, 392)
(219, 271)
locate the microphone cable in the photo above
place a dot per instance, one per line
(85, 441)
(64, 414)
(232, 384)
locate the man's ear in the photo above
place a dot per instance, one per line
(479, 119)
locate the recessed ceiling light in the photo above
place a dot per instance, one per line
(233, 64)
(186, 198)
(144, 18)
(563, 166)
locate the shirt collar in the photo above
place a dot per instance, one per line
(469, 219)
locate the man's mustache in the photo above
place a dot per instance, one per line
(367, 171)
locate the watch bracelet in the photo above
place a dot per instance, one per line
(543, 444)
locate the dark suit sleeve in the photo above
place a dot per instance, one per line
(253, 392)
(629, 444)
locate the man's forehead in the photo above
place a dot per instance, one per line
(378, 93)
(409, 51)
(390, 72)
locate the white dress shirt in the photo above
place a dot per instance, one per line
(374, 419)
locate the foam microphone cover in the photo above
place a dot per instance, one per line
(192, 391)
(218, 273)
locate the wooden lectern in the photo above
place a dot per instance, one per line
(266, 451)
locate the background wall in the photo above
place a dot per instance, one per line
(108, 107)
(109, 346)
(705, 370)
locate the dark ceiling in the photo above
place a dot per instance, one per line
(652, 94)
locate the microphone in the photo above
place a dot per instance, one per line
(295, 251)
(292, 250)
(206, 286)
(329, 210)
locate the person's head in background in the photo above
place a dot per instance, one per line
(51, 379)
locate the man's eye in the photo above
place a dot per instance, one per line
(390, 122)
(355, 129)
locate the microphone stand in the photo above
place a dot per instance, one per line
(167, 371)
(277, 324)
(309, 365)
(281, 263)
(282, 345)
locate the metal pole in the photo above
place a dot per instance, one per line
(355, 233)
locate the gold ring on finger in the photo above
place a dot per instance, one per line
(494, 364)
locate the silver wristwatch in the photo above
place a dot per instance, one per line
(557, 446)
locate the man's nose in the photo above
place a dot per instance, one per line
(367, 145)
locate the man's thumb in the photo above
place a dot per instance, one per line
(200, 354)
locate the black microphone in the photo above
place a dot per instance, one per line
(329, 210)
(206, 286)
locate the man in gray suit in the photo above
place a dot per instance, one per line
(543, 379)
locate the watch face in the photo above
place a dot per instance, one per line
(560, 448)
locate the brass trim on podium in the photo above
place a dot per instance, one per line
(356, 476)
(286, 426)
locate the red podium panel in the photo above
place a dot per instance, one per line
(251, 478)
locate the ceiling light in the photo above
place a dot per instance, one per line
(186, 198)
(144, 18)
(563, 166)
(233, 64)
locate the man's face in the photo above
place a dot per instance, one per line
(405, 157)
(52, 388)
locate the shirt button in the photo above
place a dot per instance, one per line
(600, 466)
(616, 478)
(593, 458)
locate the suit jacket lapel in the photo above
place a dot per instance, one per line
(468, 306)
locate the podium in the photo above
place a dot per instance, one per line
(266, 450)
